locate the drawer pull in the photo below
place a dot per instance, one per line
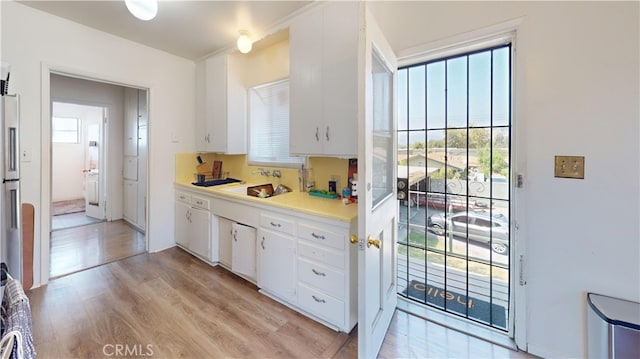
(275, 224)
(318, 300)
(318, 273)
(317, 236)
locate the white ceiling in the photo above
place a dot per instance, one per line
(190, 29)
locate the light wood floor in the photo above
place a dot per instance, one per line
(177, 306)
(79, 248)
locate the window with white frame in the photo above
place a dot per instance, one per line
(65, 130)
(269, 125)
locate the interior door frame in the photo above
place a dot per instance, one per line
(41, 274)
(506, 31)
(103, 150)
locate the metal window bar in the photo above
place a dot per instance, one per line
(448, 198)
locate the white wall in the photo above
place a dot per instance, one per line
(32, 40)
(577, 93)
(68, 159)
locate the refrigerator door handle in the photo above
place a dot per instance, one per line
(13, 215)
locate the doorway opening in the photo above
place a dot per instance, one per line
(97, 130)
(77, 148)
(454, 151)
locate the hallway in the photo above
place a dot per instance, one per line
(88, 246)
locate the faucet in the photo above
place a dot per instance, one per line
(263, 172)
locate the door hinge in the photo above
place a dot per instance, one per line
(519, 180)
(522, 279)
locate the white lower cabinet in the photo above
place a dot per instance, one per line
(243, 251)
(327, 278)
(276, 264)
(200, 234)
(193, 224)
(304, 261)
(130, 206)
(182, 224)
(225, 238)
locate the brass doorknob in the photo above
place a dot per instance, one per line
(353, 239)
(373, 242)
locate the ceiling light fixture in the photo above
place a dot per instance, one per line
(142, 9)
(244, 42)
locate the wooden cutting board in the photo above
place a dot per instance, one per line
(28, 214)
(217, 169)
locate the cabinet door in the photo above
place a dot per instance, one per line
(225, 237)
(235, 122)
(243, 250)
(276, 264)
(199, 232)
(216, 104)
(130, 209)
(130, 122)
(142, 108)
(305, 81)
(182, 224)
(339, 130)
(142, 176)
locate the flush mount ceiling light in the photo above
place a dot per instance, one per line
(244, 42)
(142, 9)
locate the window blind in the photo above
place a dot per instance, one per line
(269, 125)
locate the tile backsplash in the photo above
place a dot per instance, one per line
(322, 168)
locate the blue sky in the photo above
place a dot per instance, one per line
(456, 71)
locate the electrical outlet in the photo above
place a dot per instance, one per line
(569, 167)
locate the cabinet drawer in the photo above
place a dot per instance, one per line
(277, 224)
(328, 280)
(183, 197)
(321, 305)
(200, 202)
(327, 256)
(321, 236)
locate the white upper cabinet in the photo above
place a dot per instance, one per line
(323, 80)
(222, 126)
(131, 122)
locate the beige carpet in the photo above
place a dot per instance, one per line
(66, 207)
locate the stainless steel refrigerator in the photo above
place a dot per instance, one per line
(10, 195)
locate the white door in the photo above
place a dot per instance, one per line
(93, 170)
(377, 205)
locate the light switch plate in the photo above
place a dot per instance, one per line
(569, 167)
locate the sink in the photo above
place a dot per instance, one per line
(237, 189)
(260, 190)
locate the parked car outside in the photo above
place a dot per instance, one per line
(437, 200)
(479, 226)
